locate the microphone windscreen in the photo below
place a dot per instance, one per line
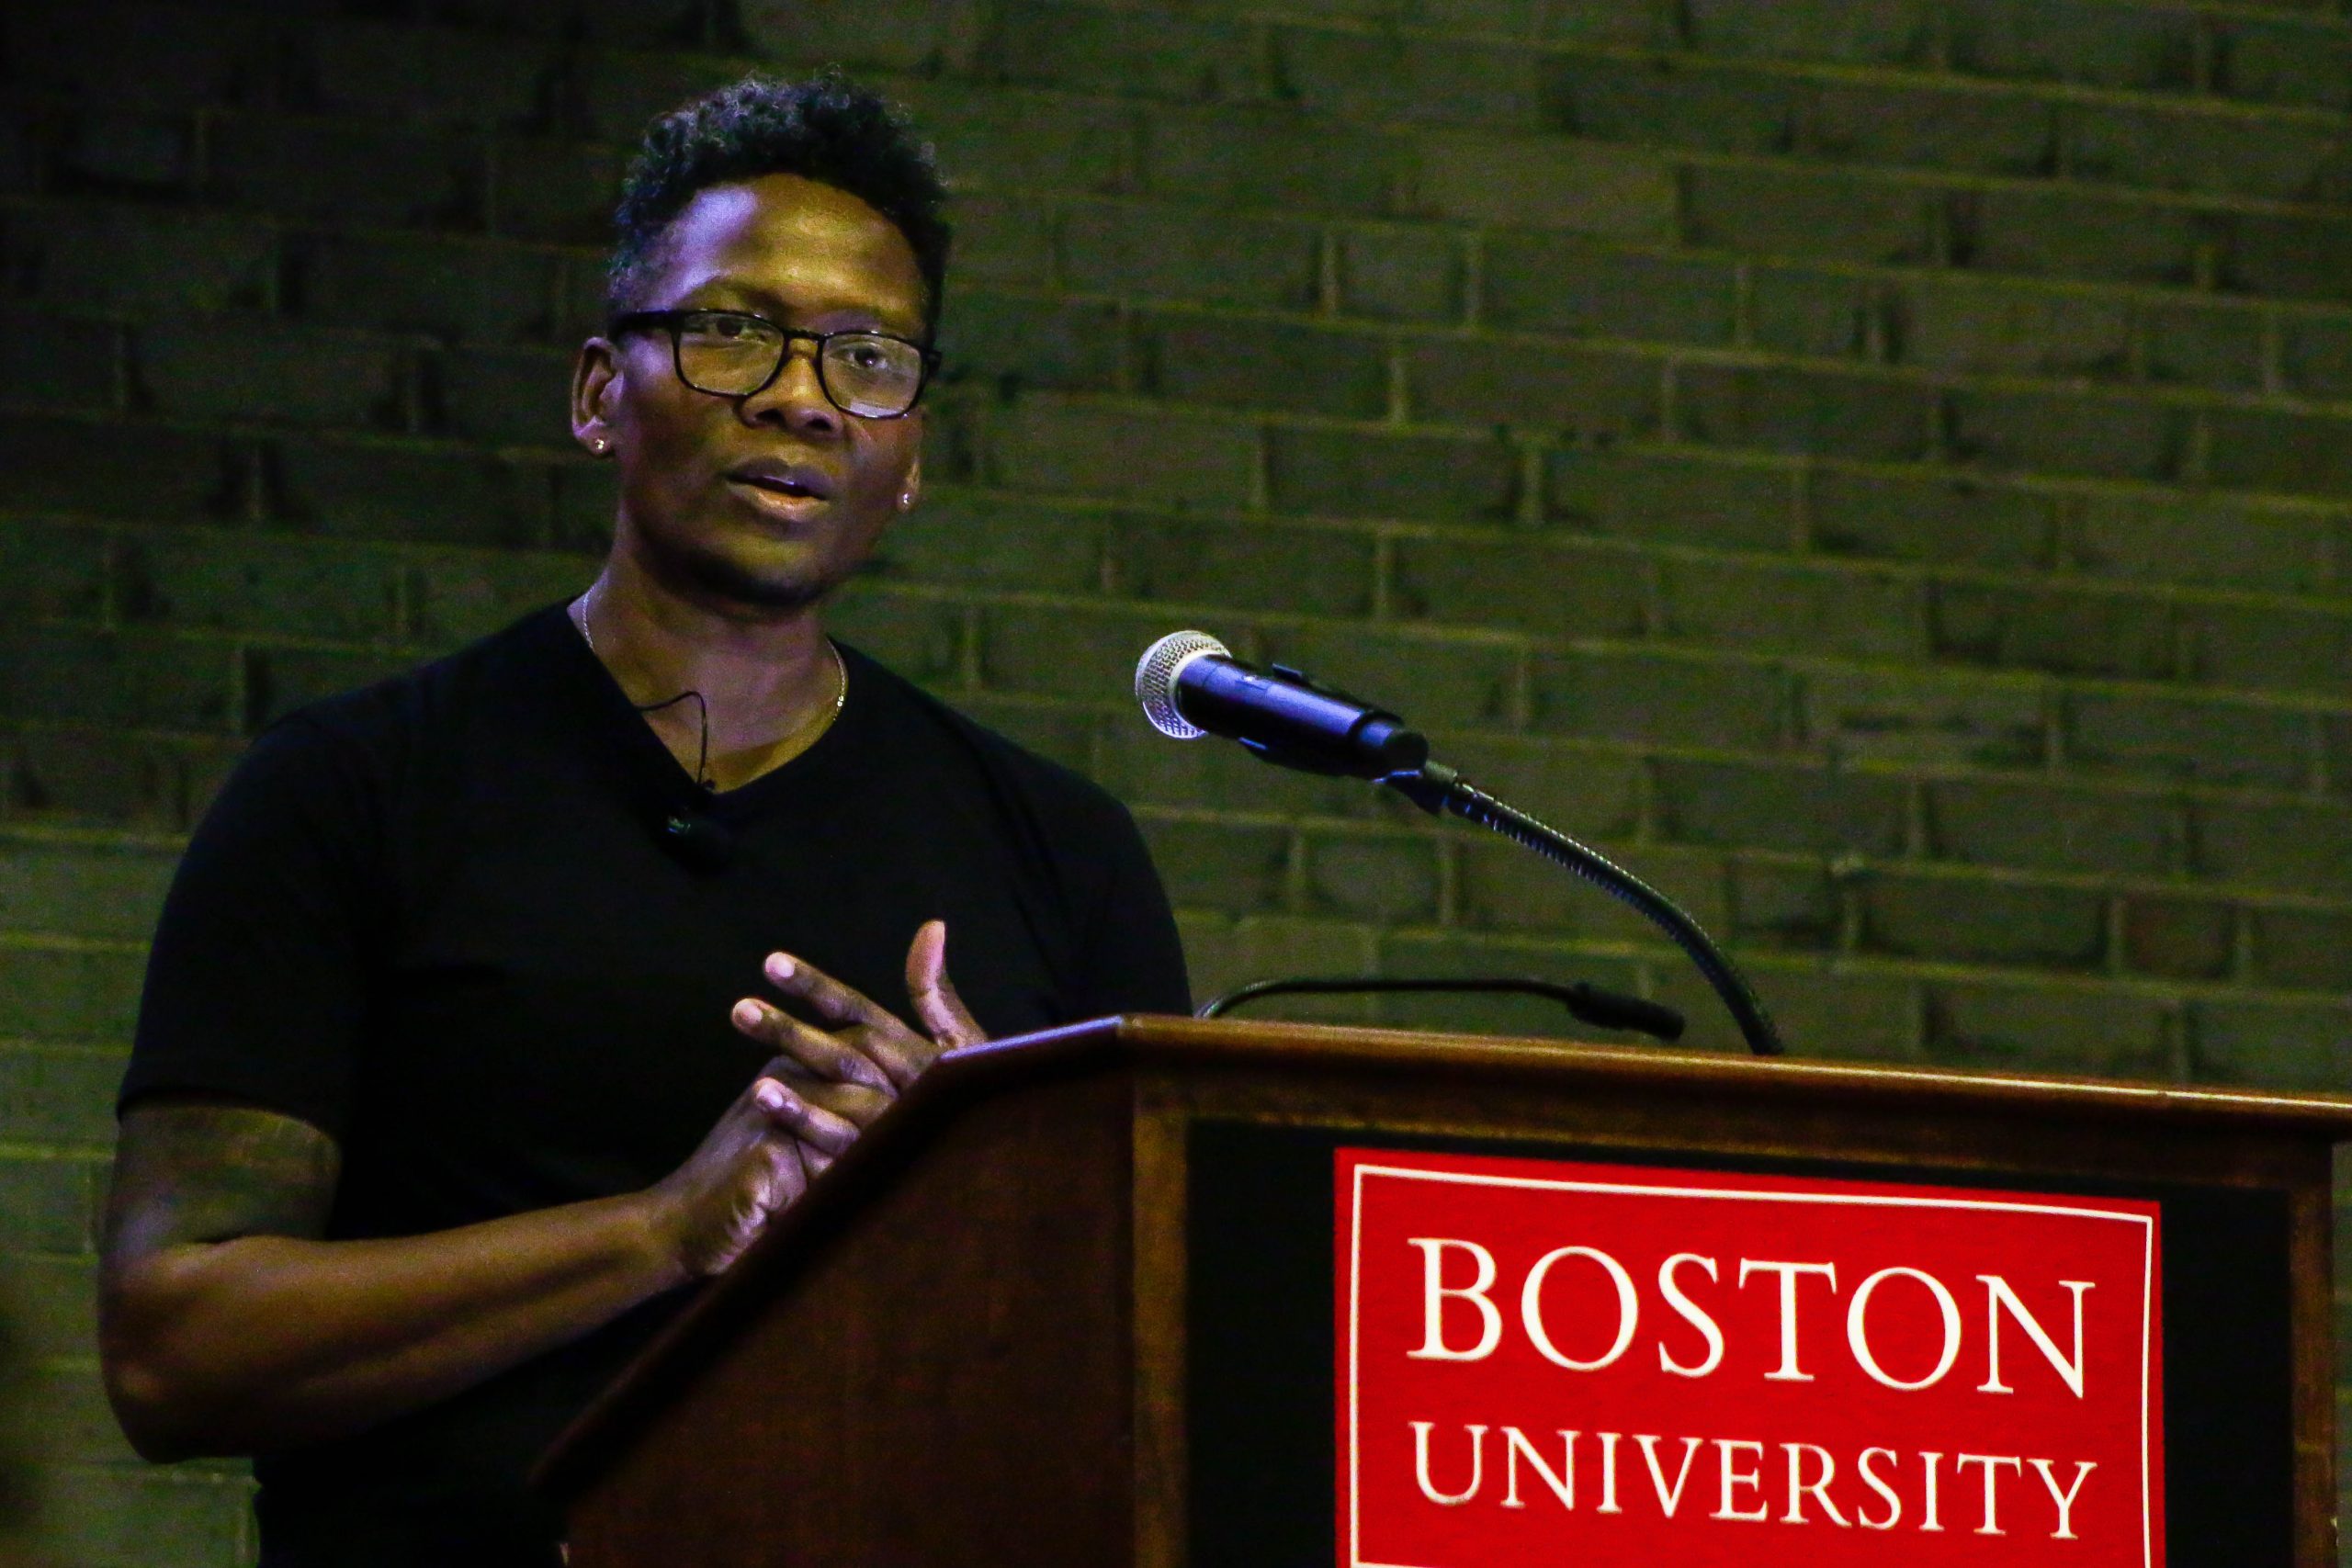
(1156, 675)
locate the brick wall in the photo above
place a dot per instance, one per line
(1883, 467)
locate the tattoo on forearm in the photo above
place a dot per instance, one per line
(198, 1172)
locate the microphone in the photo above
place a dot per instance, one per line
(698, 842)
(1189, 684)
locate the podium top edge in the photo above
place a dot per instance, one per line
(1149, 1037)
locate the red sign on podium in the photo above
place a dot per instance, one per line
(1544, 1363)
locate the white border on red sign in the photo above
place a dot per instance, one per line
(1469, 1179)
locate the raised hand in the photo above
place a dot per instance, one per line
(863, 1056)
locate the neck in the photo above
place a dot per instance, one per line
(765, 675)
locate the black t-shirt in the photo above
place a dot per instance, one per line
(440, 920)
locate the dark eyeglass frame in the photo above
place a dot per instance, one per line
(671, 321)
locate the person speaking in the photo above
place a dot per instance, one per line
(493, 1004)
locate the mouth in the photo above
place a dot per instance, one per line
(789, 490)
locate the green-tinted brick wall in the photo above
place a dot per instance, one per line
(1884, 467)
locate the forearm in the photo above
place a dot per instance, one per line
(257, 1342)
(226, 1326)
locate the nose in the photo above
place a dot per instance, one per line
(795, 399)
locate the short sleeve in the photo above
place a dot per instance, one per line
(1134, 960)
(255, 981)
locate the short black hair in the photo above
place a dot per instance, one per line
(827, 128)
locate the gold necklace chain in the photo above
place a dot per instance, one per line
(822, 720)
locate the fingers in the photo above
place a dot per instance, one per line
(938, 1008)
(783, 1179)
(819, 1130)
(871, 1031)
(831, 1000)
(854, 1103)
(824, 1056)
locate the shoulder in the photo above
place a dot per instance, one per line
(916, 718)
(389, 722)
(353, 765)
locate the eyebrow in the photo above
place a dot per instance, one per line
(775, 306)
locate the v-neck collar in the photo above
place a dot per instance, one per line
(608, 712)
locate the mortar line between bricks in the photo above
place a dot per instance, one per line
(1790, 661)
(185, 740)
(1915, 869)
(2057, 486)
(50, 1154)
(528, 456)
(230, 1477)
(390, 552)
(2154, 292)
(553, 453)
(1891, 175)
(2165, 395)
(1809, 561)
(2089, 779)
(1862, 173)
(387, 340)
(1816, 664)
(18, 941)
(1570, 749)
(1680, 58)
(2159, 394)
(1863, 965)
(232, 639)
(2158, 195)
(1801, 663)
(2094, 784)
(1683, 159)
(283, 228)
(1742, 264)
(922, 82)
(424, 553)
(2076, 779)
(551, 457)
(117, 839)
(2015, 680)
(1322, 824)
(558, 354)
(1387, 29)
(79, 1047)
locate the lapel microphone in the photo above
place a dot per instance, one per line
(699, 843)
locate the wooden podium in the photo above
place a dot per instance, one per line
(1070, 1302)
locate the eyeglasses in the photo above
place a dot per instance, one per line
(733, 353)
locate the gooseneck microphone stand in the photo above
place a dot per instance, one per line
(1190, 686)
(1440, 790)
